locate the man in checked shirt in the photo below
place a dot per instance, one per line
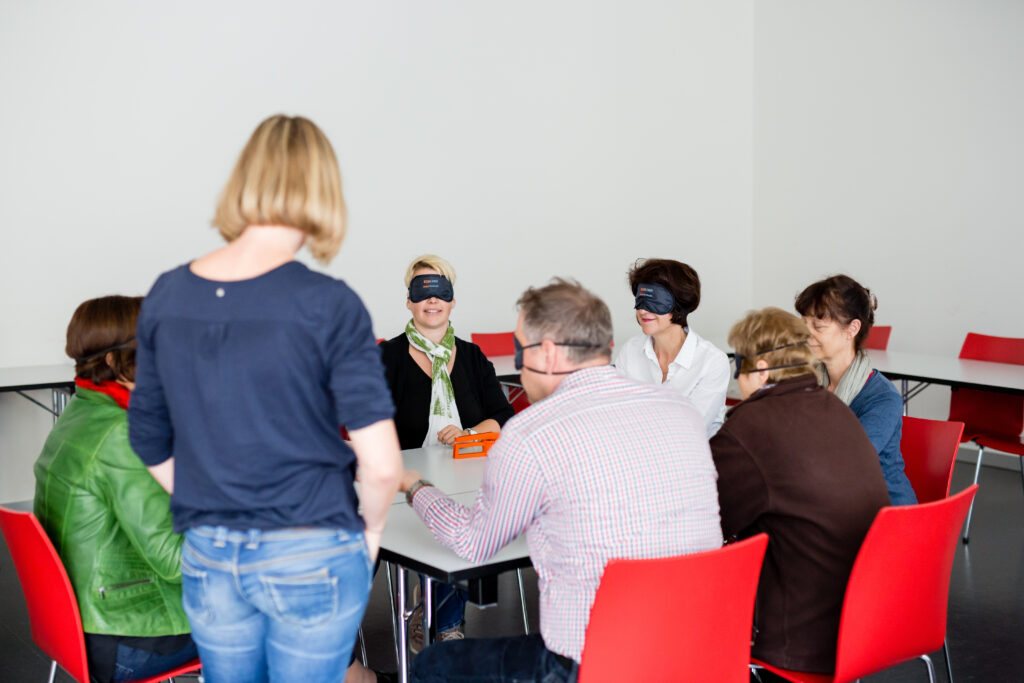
(599, 467)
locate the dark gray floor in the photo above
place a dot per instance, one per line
(986, 611)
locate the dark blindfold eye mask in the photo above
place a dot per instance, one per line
(425, 287)
(654, 298)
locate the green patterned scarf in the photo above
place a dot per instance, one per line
(443, 411)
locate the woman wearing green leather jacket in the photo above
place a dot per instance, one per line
(107, 517)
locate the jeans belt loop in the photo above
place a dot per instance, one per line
(220, 538)
(254, 539)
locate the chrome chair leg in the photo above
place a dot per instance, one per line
(945, 654)
(931, 669)
(362, 648)
(53, 669)
(522, 600)
(970, 511)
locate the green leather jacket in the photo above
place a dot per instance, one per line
(110, 522)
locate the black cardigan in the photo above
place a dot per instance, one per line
(478, 394)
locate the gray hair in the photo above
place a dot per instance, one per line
(565, 312)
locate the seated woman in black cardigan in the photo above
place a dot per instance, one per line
(443, 387)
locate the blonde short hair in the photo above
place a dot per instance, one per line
(767, 329)
(430, 261)
(286, 175)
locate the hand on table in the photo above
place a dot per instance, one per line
(409, 477)
(448, 434)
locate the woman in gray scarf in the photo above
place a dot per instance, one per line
(839, 313)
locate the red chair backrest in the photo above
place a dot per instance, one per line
(929, 451)
(52, 607)
(494, 343)
(895, 603)
(685, 618)
(989, 412)
(878, 337)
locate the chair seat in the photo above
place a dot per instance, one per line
(999, 442)
(789, 674)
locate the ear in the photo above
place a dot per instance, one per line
(762, 377)
(853, 328)
(453, 302)
(408, 303)
(550, 350)
(109, 359)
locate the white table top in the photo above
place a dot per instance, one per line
(505, 367)
(437, 466)
(408, 542)
(37, 377)
(948, 370)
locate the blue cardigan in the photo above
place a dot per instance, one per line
(879, 407)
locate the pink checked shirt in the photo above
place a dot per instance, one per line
(603, 468)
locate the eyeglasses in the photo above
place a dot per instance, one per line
(739, 360)
(520, 348)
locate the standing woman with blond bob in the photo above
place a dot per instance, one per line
(839, 313)
(248, 363)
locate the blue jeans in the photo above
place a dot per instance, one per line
(491, 660)
(133, 664)
(281, 605)
(449, 605)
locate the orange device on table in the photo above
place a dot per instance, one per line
(482, 441)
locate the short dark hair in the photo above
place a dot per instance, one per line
(676, 277)
(100, 324)
(842, 299)
(564, 311)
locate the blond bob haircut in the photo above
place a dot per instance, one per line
(432, 261)
(286, 175)
(770, 328)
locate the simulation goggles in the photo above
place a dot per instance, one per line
(130, 344)
(520, 348)
(654, 298)
(739, 360)
(432, 286)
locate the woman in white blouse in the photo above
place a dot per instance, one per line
(669, 352)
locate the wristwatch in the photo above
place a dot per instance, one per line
(472, 431)
(414, 488)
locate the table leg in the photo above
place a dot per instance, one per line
(905, 390)
(428, 609)
(403, 645)
(394, 612)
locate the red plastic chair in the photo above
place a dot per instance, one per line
(52, 607)
(502, 344)
(929, 451)
(878, 337)
(685, 618)
(993, 420)
(494, 343)
(896, 600)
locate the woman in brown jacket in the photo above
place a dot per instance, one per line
(793, 461)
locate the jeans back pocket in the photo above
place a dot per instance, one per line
(303, 600)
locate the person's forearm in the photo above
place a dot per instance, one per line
(380, 468)
(164, 474)
(487, 425)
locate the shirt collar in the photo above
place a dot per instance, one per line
(685, 356)
(584, 376)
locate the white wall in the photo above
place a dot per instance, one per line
(519, 140)
(888, 145)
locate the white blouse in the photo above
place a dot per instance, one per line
(700, 371)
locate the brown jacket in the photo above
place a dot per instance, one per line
(793, 461)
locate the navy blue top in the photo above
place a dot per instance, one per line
(879, 407)
(245, 385)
